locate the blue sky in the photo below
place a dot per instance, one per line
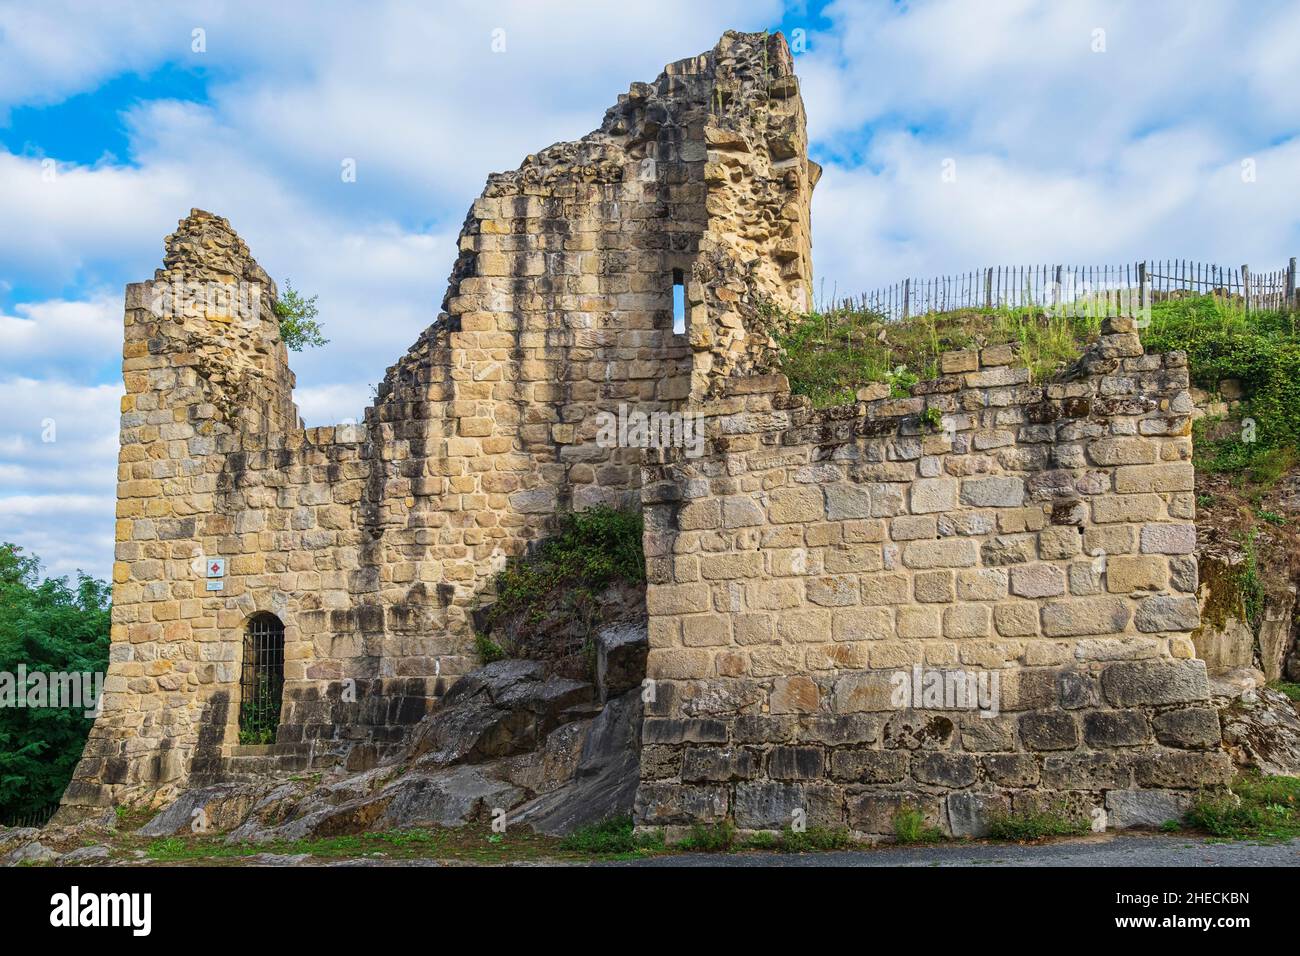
(1084, 132)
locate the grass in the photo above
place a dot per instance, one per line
(910, 827)
(829, 355)
(561, 578)
(614, 836)
(1290, 689)
(470, 843)
(1250, 582)
(1257, 808)
(709, 838)
(1262, 352)
(1025, 825)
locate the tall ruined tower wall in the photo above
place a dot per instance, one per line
(372, 543)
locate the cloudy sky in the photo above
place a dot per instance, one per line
(1084, 132)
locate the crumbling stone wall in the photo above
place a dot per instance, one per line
(373, 543)
(1036, 540)
(1041, 535)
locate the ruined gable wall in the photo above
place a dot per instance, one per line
(372, 543)
(1042, 534)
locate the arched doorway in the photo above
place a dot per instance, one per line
(261, 680)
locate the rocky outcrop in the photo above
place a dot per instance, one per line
(507, 741)
(1261, 730)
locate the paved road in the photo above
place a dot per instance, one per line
(1154, 850)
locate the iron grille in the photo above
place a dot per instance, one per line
(261, 680)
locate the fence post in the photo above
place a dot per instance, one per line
(907, 297)
(1245, 286)
(1290, 282)
(988, 288)
(1144, 290)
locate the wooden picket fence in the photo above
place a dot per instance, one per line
(1121, 287)
(34, 818)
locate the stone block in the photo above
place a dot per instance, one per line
(942, 769)
(944, 553)
(1164, 613)
(1049, 730)
(1146, 809)
(970, 815)
(1037, 580)
(1154, 683)
(1116, 728)
(1168, 539)
(1188, 728)
(994, 492)
(869, 766)
(1128, 573)
(1074, 618)
(930, 495)
(796, 763)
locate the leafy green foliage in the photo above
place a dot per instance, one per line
(830, 355)
(1258, 807)
(488, 649)
(47, 625)
(814, 840)
(614, 836)
(592, 549)
(298, 325)
(910, 826)
(1250, 582)
(710, 838)
(1261, 350)
(1036, 824)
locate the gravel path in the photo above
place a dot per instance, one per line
(1125, 850)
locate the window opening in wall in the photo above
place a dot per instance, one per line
(679, 302)
(261, 680)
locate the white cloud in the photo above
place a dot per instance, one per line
(58, 469)
(57, 334)
(1062, 154)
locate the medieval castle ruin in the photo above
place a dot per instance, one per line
(810, 571)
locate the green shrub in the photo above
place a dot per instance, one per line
(814, 840)
(910, 826)
(592, 549)
(1258, 807)
(1260, 350)
(1036, 824)
(488, 649)
(615, 835)
(710, 838)
(298, 325)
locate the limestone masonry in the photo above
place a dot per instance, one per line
(810, 573)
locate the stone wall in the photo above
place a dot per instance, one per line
(373, 543)
(1036, 541)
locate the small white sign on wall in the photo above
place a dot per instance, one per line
(216, 584)
(216, 569)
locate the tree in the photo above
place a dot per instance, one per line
(49, 626)
(298, 325)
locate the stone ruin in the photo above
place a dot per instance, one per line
(813, 574)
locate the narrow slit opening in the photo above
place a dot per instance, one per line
(679, 302)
